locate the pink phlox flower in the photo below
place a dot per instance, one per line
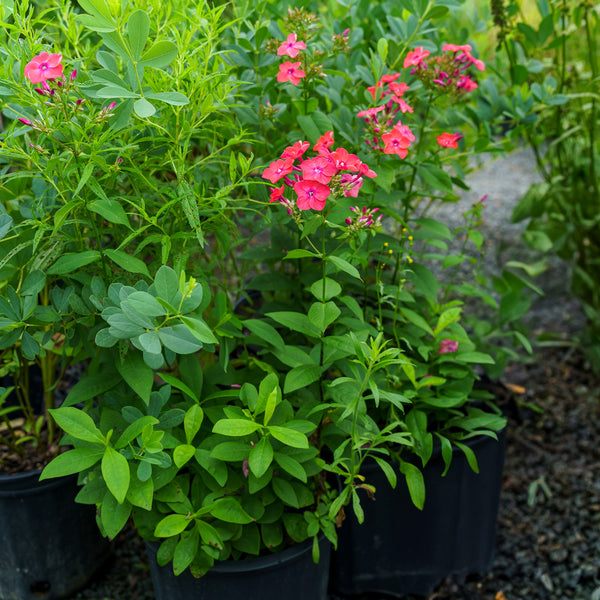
(311, 194)
(319, 169)
(44, 66)
(398, 89)
(466, 83)
(291, 46)
(290, 71)
(324, 143)
(296, 150)
(396, 141)
(278, 169)
(449, 140)
(402, 104)
(25, 121)
(370, 112)
(351, 185)
(344, 161)
(415, 57)
(365, 170)
(448, 346)
(390, 78)
(456, 48)
(277, 194)
(405, 130)
(373, 89)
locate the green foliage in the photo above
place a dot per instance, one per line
(551, 100)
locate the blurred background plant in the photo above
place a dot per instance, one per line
(550, 100)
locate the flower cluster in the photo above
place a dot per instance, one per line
(386, 134)
(332, 172)
(363, 219)
(446, 73)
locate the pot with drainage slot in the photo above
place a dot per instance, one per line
(50, 546)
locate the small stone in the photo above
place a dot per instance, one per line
(558, 555)
(545, 579)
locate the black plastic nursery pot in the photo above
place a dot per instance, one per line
(287, 575)
(50, 546)
(401, 550)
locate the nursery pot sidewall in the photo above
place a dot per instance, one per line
(402, 550)
(51, 546)
(289, 574)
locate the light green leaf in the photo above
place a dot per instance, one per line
(192, 422)
(230, 511)
(289, 437)
(235, 427)
(296, 322)
(326, 289)
(200, 330)
(344, 265)
(179, 339)
(143, 108)
(174, 98)
(171, 525)
(138, 27)
(261, 457)
(323, 315)
(115, 470)
(159, 55)
(78, 424)
(72, 461)
(415, 482)
(182, 454)
(113, 515)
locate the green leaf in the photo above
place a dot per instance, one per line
(116, 92)
(323, 315)
(134, 429)
(113, 515)
(91, 386)
(128, 263)
(470, 456)
(265, 332)
(192, 422)
(145, 304)
(182, 454)
(141, 493)
(143, 108)
(358, 509)
(159, 55)
(72, 261)
(229, 451)
(329, 290)
(230, 511)
(78, 424)
(296, 322)
(479, 358)
(179, 339)
(174, 98)
(300, 253)
(387, 469)
(450, 315)
(344, 265)
(115, 471)
(137, 374)
(110, 210)
(171, 525)
(416, 319)
(235, 427)
(415, 482)
(291, 466)
(200, 330)
(261, 457)
(138, 27)
(209, 534)
(186, 550)
(300, 377)
(178, 384)
(284, 490)
(214, 466)
(289, 437)
(72, 461)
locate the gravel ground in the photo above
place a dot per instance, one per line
(548, 545)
